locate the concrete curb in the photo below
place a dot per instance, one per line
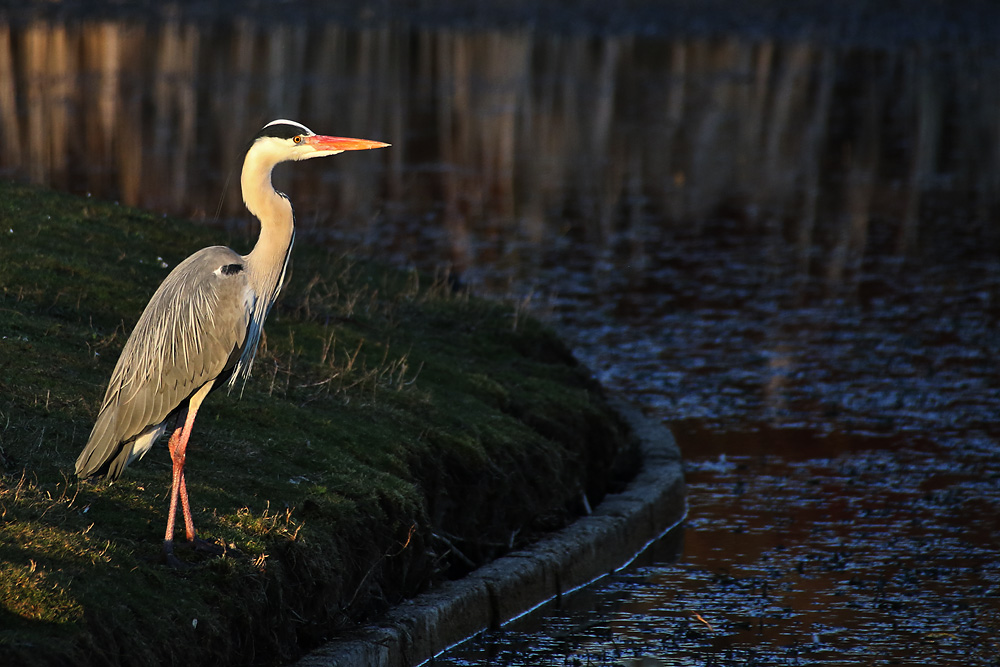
(596, 545)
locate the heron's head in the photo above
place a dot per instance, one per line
(283, 140)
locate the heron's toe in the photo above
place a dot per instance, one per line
(209, 547)
(170, 560)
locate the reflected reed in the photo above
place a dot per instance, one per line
(513, 136)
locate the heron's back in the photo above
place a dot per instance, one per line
(191, 333)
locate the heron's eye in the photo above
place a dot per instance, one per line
(297, 138)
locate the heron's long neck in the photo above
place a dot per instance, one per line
(266, 262)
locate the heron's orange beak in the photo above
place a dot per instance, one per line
(338, 144)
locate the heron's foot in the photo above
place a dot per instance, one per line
(208, 547)
(169, 559)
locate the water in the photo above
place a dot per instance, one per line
(842, 462)
(881, 555)
(782, 243)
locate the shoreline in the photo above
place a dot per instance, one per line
(619, 529)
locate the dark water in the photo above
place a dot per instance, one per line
(784, 245)
(876, 556)
(842, 462)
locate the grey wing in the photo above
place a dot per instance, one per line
(191, 333)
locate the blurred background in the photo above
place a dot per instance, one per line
(772, 224)
(515, 127)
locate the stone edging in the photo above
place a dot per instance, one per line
(595, 545)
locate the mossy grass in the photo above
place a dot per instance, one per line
(396, 431)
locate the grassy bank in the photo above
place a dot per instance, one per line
(395, 433)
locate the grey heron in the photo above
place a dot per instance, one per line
(201, 327)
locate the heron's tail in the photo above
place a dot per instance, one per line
(106, 455)
(102, 447)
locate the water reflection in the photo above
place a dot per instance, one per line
(506, 139)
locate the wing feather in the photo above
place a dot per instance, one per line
(190, 334)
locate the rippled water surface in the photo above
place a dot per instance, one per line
(781, 242)
(842, 462)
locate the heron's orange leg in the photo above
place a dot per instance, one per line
(178, 489)
(189, 530)
(178, 449)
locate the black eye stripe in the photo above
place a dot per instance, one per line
(282, 131)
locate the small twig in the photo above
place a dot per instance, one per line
(458, 552)
(371, 569)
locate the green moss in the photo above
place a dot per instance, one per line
(394, 433)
